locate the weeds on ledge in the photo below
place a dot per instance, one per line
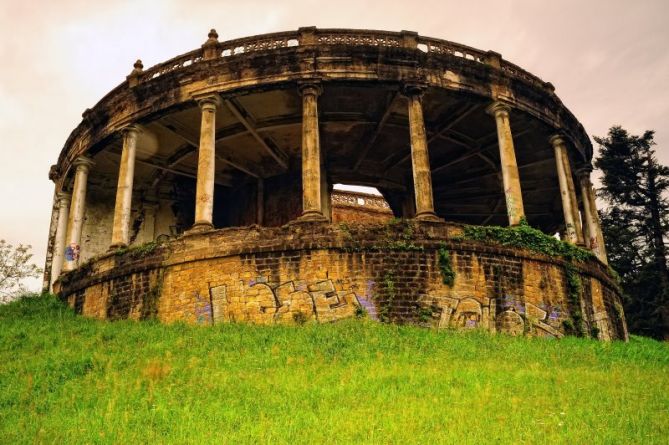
(139, 251)
(526, 237)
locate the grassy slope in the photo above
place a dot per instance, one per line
(66, 379)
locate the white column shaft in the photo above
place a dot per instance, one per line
(570, 231)
(59, 240)
(596, 241)
(507, 155)
(206, 166)
(311, 155)
(420, 159)
(123, 207)
(76, 216)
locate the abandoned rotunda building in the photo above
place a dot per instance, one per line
(202, 189)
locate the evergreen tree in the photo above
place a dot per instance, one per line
(635, 225)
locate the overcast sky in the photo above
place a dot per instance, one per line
(608, 60)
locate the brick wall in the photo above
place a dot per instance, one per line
(323, 272)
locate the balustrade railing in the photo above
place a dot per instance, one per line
(359, 200)
(173, 64)
(349, 37)
(437, 46)
(358, 37)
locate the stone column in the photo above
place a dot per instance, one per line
(150, 210)
(312, 209)
(59, 240)
(126, 174)
(584, 223)
(420, 158)
(48, 260)
(260, 201)
(591, 218)
(507, 156)
(572, 218)
(76, 216)
(206, 165)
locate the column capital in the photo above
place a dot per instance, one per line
(63, 199)
(498, 108)
(310, 87)
(583, 171)
(208, 101)
(83, 163)
(557, 140)
(413, 89)
(132, 128)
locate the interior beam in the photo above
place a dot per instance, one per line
(367, 145)
(243, 116)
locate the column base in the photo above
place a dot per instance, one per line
(201, 226)
(312, 216)
(428, 216)
(117, 246)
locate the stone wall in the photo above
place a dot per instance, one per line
(359, 207)
(301, 272)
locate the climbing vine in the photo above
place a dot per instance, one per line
(445, 266)
(575, 325)
(150, 299)
(402, 241)
(526, 237)
(389, 290)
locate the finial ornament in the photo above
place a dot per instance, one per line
(133, 77)
(210, 48)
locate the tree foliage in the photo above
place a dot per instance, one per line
(635, 224)
(15, 267)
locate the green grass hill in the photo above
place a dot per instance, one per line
(66, 379)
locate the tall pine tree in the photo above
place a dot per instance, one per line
(635, 224)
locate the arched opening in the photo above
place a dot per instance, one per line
(354, 203)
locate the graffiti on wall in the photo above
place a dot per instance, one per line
(507, 314)
(72, 252)
(261, 301)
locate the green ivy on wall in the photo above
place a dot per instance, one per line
(445, 266)
(526, 237)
